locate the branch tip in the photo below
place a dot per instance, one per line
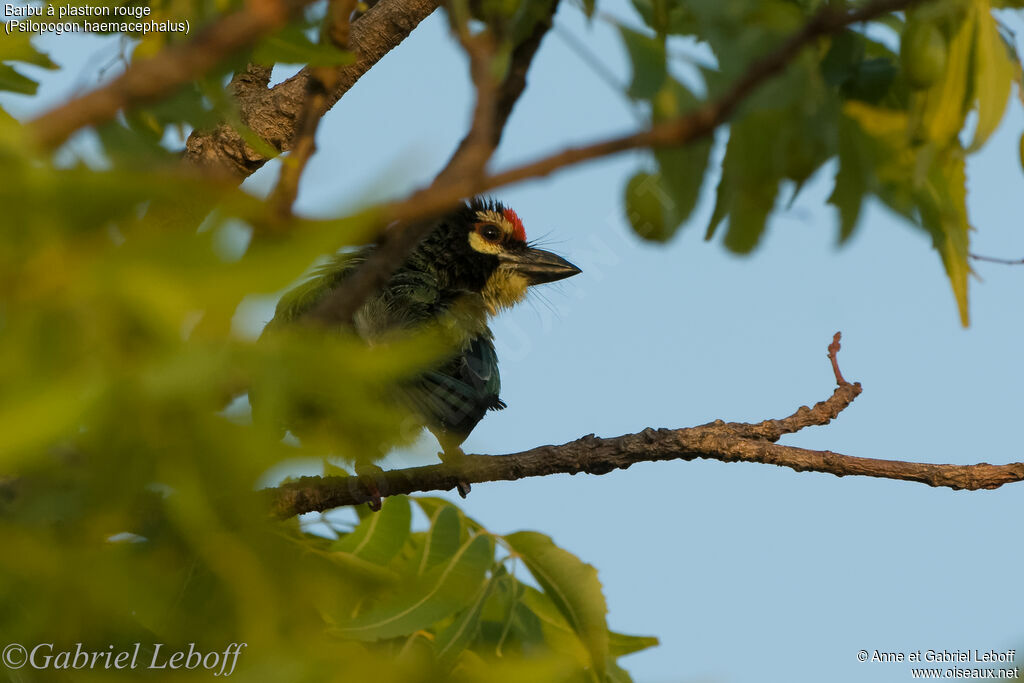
(833, 351)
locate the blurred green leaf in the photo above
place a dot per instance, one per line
(17, 47)
(872, 80)
(995, 71)
(572, 586)
(682, 168)
(452, 641)
(749, 182)
(943, 205)
(852, 179)
(444, 591)
(442, 540)
(621, 644)
(944, 106)
(379, 537)
(293, 46)
(647, 55)
(842, 61)
(665, 16)
(13, 81)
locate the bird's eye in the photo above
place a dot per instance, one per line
(491, 233)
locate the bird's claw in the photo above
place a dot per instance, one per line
(453, 456)
(368, 474)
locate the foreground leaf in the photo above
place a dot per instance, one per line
(380, 536)
(572, 585)
(443, 592)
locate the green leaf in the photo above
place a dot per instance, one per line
(13, 81)
(128, 147)
(852, 178)
(332, 470)
(443, 539)
(444, 591)
(943, 207)
(944, 106)
(872, 80)
(886, 144)
(380, 536)
(787, 132)
(741, 31)
(647, 55)
(18, 47)
(750, 178)
(682, 168)
(666, 16)
(616, 674)
(572, 586)
(293, 46)
(621, 644)
(460, 633)
(843, 58)
(431, 505)
(723, 197)
(40, 417)
(994, 74)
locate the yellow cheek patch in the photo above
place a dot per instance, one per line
(481, 245)
(504, 289)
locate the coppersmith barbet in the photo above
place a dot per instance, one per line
(474, 263)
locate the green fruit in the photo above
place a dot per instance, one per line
(645, 207)
(923, 54)
(1022, 151)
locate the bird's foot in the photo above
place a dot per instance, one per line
(368, 474)
(453, 456)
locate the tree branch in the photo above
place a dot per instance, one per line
(493, 108)
(274, 114)
(150, 79)
(322, 81)
(724, 441)
(408, 221)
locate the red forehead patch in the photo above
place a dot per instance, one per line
(518, 231)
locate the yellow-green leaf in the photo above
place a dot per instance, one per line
(943, 206)
(444, 591)
(946, 103)
(993, 77)
(379, 537)
(572, 585)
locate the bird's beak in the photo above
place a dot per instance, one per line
(539, 266)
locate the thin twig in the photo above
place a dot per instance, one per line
(409, 220)
(274, 113)
(490, 117)
(475, 150)
(322, 80)
(994, 259)
(833, 349)
(726, 442)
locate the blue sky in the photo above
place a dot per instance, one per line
(746, 572)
